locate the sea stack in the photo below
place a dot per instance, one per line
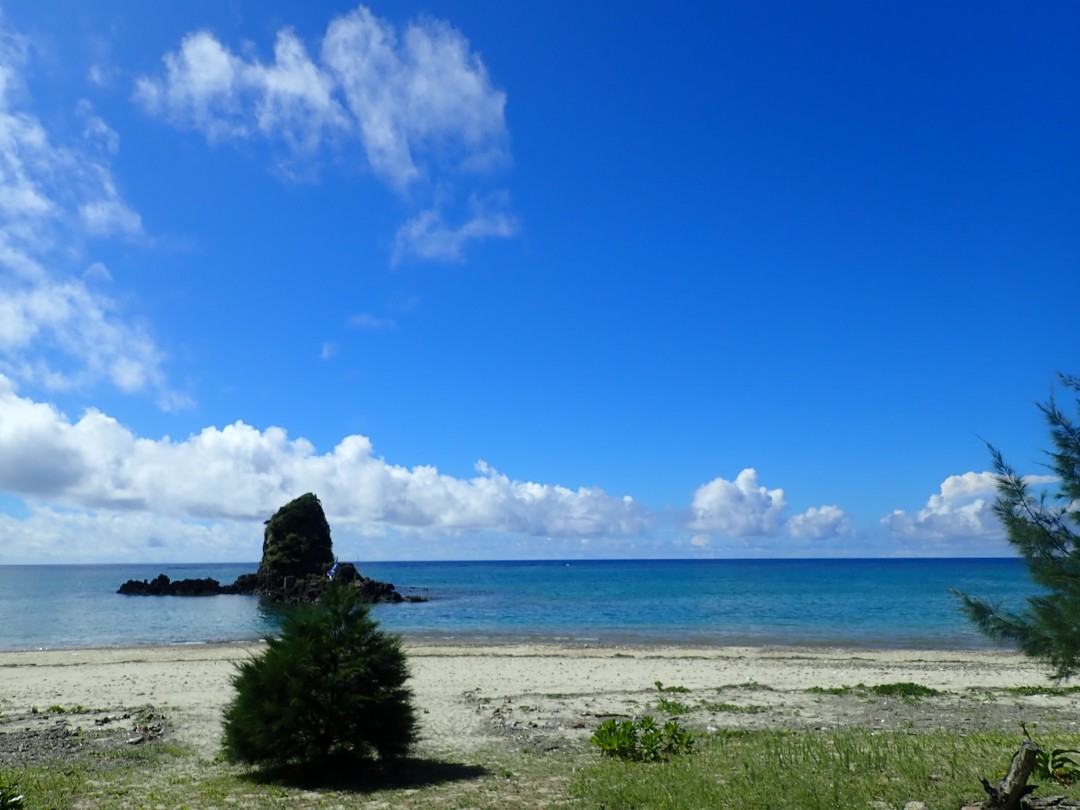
(296, 545)
(297, 564)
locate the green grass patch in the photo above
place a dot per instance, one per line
(833, 690)
(731, 708)
(904, 689)
(670, 689)
(901, 689)
(93, 779)
(808, 770)
(1044, 691)
(751, 686)
(673, 708)
(157, 775)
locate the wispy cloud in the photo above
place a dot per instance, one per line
(428, 236)
(367, 321)
(209, 88)
(419, 100)
(57, 329)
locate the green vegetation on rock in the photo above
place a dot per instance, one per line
(296, 542)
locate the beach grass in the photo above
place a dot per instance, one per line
(810, 770)
(728, 769)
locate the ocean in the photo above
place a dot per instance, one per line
(854, 603)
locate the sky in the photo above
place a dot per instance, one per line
(531, 280)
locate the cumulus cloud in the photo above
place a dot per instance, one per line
(740, 508)
(418, 100)
(961, 509)
(744, 508)
(819, 523)
(241, 473)
(56, 330)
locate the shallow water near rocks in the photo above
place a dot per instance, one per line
(852, 603)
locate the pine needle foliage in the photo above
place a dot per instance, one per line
(1043, 530)
(328, 694)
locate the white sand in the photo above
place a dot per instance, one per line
(470, 695)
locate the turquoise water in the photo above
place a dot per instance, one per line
(859, 603)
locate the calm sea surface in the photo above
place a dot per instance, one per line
(860, 603)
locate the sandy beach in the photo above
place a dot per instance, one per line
(546, 696)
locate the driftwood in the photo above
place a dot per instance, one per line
(1011, 793)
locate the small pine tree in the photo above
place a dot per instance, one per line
(328, 692)
(1043, 533)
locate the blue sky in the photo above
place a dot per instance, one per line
(529, 280)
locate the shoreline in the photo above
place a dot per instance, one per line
(472, 695)
(633, 641)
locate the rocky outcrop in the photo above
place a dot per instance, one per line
(161, 585)
(296, 543)
(297, 565)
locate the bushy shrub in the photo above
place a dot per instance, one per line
(642, 740)
(328, 692)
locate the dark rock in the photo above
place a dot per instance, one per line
(161, 585)
(375, 591)
(296, 542)
(346, 572)
(244, 584)
(296, 566)
(195, 587)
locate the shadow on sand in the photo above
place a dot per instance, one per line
(411, 772)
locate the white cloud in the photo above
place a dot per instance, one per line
(961, 509)
(62, 335)
(739, 508)
(97, 271)
(51, 535)
(240, 473)
(819, 523)
(418, 100)
(427, 91)
(109, 216)
(55, 331)
(96, 131)
(427, 236)
(208, 87)
(742, 508)
(367, 321)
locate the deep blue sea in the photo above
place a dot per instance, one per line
(858, 603)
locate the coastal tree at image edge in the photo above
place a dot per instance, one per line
(1041, 529)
